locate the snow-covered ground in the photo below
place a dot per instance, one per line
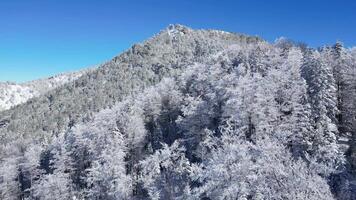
(12, 94)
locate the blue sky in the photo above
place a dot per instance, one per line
(45, 37)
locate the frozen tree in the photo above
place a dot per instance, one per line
(238, 169)
(166, 174)
(323, 100)
(55, 182)
(251, 108)
(53, 186)
(130, 122)
(161, 107)
(30, 167)
(340, 61)
(291, 97)
(9, 186)
(107, 178)
(351, 102)
(204, 96)
(16, 169)
(321, 84)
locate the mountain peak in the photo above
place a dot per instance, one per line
(177, 30)
(178, 27)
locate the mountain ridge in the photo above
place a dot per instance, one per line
(12, 94)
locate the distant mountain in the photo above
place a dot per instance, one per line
(189, 114)
(12, 94)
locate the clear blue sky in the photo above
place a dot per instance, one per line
(42, 38)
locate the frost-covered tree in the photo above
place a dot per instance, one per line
(56, 181)
(321, 84)
(53, 186)
(166, 173)
(18, 168)
(251, 108)
(323, 101)
(291, 97)
(238, 169)
(107, 177)
(202, 106)
(9, 185)
(341, 61)
(161, 106)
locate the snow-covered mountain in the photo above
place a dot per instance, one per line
(190, 114)
(12, 94)
(166, 54)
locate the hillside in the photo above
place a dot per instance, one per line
(191, 114)
(166, 54)
(12, 94)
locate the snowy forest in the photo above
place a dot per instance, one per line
(190, 114)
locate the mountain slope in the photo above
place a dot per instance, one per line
(12, 94)
(166, 54)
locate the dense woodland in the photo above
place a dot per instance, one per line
(191, 114)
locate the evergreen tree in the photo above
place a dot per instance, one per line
(292, 103)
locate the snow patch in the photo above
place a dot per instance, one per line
(12, 94)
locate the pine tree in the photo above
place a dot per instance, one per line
(323, 100)
(292, 103)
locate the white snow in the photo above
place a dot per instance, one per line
(12, 94)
